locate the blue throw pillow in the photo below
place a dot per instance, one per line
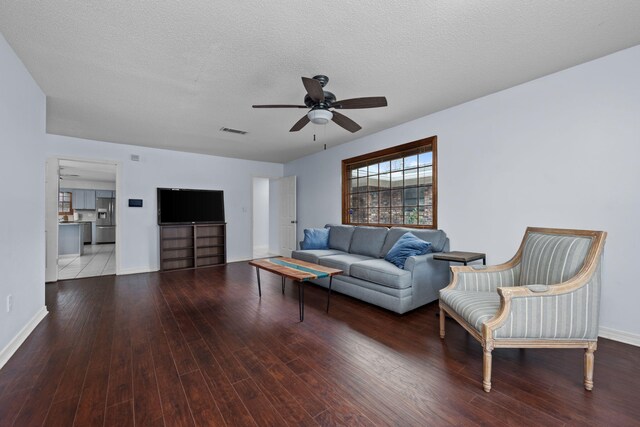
(315, 238)
(406, 246)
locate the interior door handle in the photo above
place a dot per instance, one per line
(294, 222)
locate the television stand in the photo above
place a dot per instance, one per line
(192, 246)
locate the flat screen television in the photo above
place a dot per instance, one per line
(186, 206)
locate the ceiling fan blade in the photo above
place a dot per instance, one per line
(314, 89)
(345, 122)
(368, 102)
(279, 106)
(300, 124)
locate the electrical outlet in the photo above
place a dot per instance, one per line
(9, 303)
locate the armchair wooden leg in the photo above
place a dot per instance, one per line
(588, 365)
(441, 323)
(486, 366)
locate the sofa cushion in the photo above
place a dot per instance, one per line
(342, 262)
(312, 255)
(474, 307)
(368, 241)
(381, 272)
(315, 238)
(406, 246)
(366, 286)
(437, 238)
(340, 236)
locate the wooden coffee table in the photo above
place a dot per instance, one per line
(296, 270)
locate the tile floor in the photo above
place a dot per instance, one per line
(98, 260)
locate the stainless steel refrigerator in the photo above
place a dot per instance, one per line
(105, 220)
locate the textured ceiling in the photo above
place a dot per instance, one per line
(170, 74)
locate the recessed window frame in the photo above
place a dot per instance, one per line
(65, 199)
(397, 152)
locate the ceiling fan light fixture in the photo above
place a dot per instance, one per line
(319, 116)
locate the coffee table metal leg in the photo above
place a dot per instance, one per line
(283, 279)
(259, 288)
(329, 295)
(301, 299)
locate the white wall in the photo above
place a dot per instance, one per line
(24, 146)
(261, 213)
(137, 230)
(22, 122)
(560, 151)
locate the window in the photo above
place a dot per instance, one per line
(394, 186)
(64, 203)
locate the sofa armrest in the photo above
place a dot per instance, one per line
(428, 276)
(414, 261)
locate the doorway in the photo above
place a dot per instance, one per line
(261, 217)
(273, 216)
(80, 218)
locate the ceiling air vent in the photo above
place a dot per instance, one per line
(230, 130)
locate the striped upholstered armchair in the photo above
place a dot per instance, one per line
(546, 296)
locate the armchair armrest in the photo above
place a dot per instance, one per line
(568, 310)
(484, 278)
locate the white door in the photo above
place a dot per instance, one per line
(288, 218)
(51, 220)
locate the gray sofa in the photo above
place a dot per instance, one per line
(359, 252)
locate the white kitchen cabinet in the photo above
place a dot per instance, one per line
(108, 194)
(83, 199)
(77, 199)
(90, 200)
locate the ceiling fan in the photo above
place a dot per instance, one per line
(321, 102)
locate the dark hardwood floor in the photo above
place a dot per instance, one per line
(200, 348)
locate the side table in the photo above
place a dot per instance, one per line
(463, 257)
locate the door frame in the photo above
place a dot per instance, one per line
(293, 222)
(51, 267)
(49, 215)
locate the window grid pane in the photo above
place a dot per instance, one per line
(392, 190)
(373, 182)
(384, 180)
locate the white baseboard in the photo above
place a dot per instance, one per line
(17, 341)
(622, 336)
(123, 272)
